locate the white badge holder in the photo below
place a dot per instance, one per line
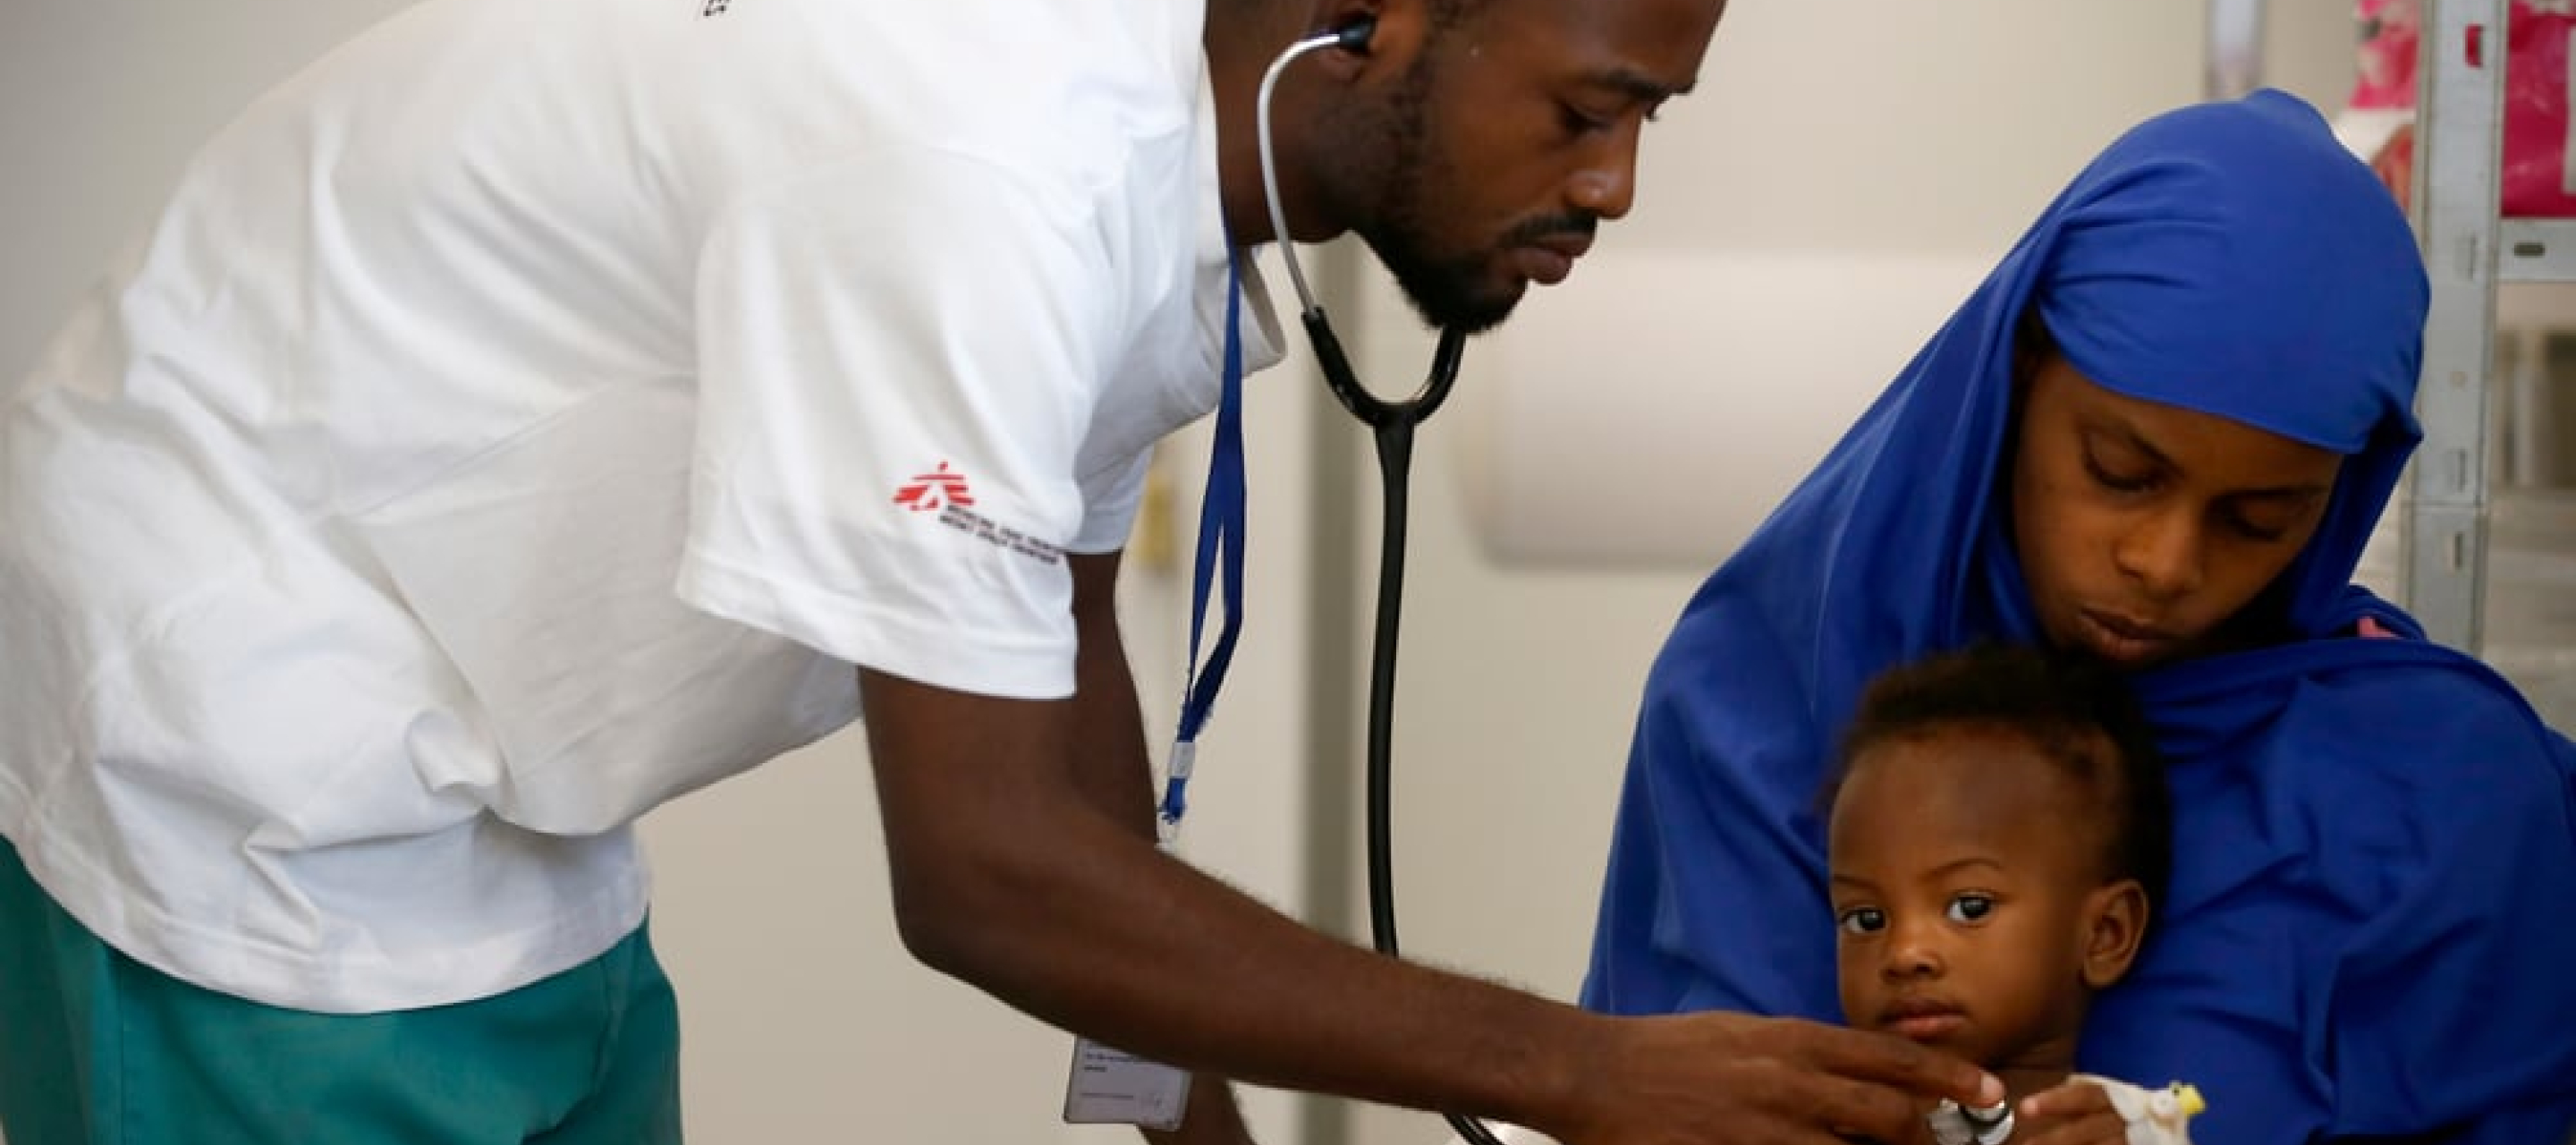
(1113, 1087)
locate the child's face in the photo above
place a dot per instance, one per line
(1968, 883)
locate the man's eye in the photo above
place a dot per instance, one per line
(1580, 122)
(1864, 920)
(1971, 908)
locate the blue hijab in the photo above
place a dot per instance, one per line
(2369, 928)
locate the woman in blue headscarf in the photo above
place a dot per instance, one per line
(2160, 432)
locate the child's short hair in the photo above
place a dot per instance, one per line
(2061, 704)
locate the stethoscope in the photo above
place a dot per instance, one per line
(1392, 424)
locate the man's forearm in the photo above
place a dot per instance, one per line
(1024, 862)
(1109, 753)
(1087, 926)
(1110, 730)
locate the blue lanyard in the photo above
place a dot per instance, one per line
(1220, 541)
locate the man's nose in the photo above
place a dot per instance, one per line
(1606, 186)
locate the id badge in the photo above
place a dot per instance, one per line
(1113, 1087)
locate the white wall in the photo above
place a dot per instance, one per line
(101, 101)
(1914, 130)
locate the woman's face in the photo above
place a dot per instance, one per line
(2143, 527)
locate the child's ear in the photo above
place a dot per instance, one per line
(2115, 923)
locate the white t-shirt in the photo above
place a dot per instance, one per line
(529, 412)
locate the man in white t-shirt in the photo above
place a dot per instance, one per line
(533, 410)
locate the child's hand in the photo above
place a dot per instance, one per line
(2072, 1113)
(2089, 1110)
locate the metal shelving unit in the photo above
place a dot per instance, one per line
(2459, 148)
(2484, 573)
(2537, 250)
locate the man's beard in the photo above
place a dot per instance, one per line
(1462, 292)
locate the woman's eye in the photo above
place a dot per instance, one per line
(2118, 482)
(2261, 523)
(2257, 532)
(1864, 920)
(1971, 908)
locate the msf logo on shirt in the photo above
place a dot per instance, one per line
(714, 8)
(943, 492)
(930, 491)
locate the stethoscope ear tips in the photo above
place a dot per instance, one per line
(1355, 36)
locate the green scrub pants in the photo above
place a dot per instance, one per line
(98, 1049)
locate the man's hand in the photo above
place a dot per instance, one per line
(1736, 1079)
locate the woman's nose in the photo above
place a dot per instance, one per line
(2162, 552)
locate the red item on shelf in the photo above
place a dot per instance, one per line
(2536, 178)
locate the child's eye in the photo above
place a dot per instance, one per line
(1971, 907)
(1864, 920)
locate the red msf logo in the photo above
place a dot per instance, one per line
(928, 491)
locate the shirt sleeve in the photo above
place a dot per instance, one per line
(1113, 496)
(898, 357)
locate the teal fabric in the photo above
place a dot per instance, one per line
(98, 1049)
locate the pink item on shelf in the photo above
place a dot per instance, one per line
(2537, 178)
(2386, 76)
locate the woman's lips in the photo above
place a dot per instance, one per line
(2121, 639)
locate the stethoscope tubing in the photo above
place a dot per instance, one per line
(1392, 424)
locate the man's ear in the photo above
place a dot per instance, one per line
(1376, 35)
(2115, 926)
